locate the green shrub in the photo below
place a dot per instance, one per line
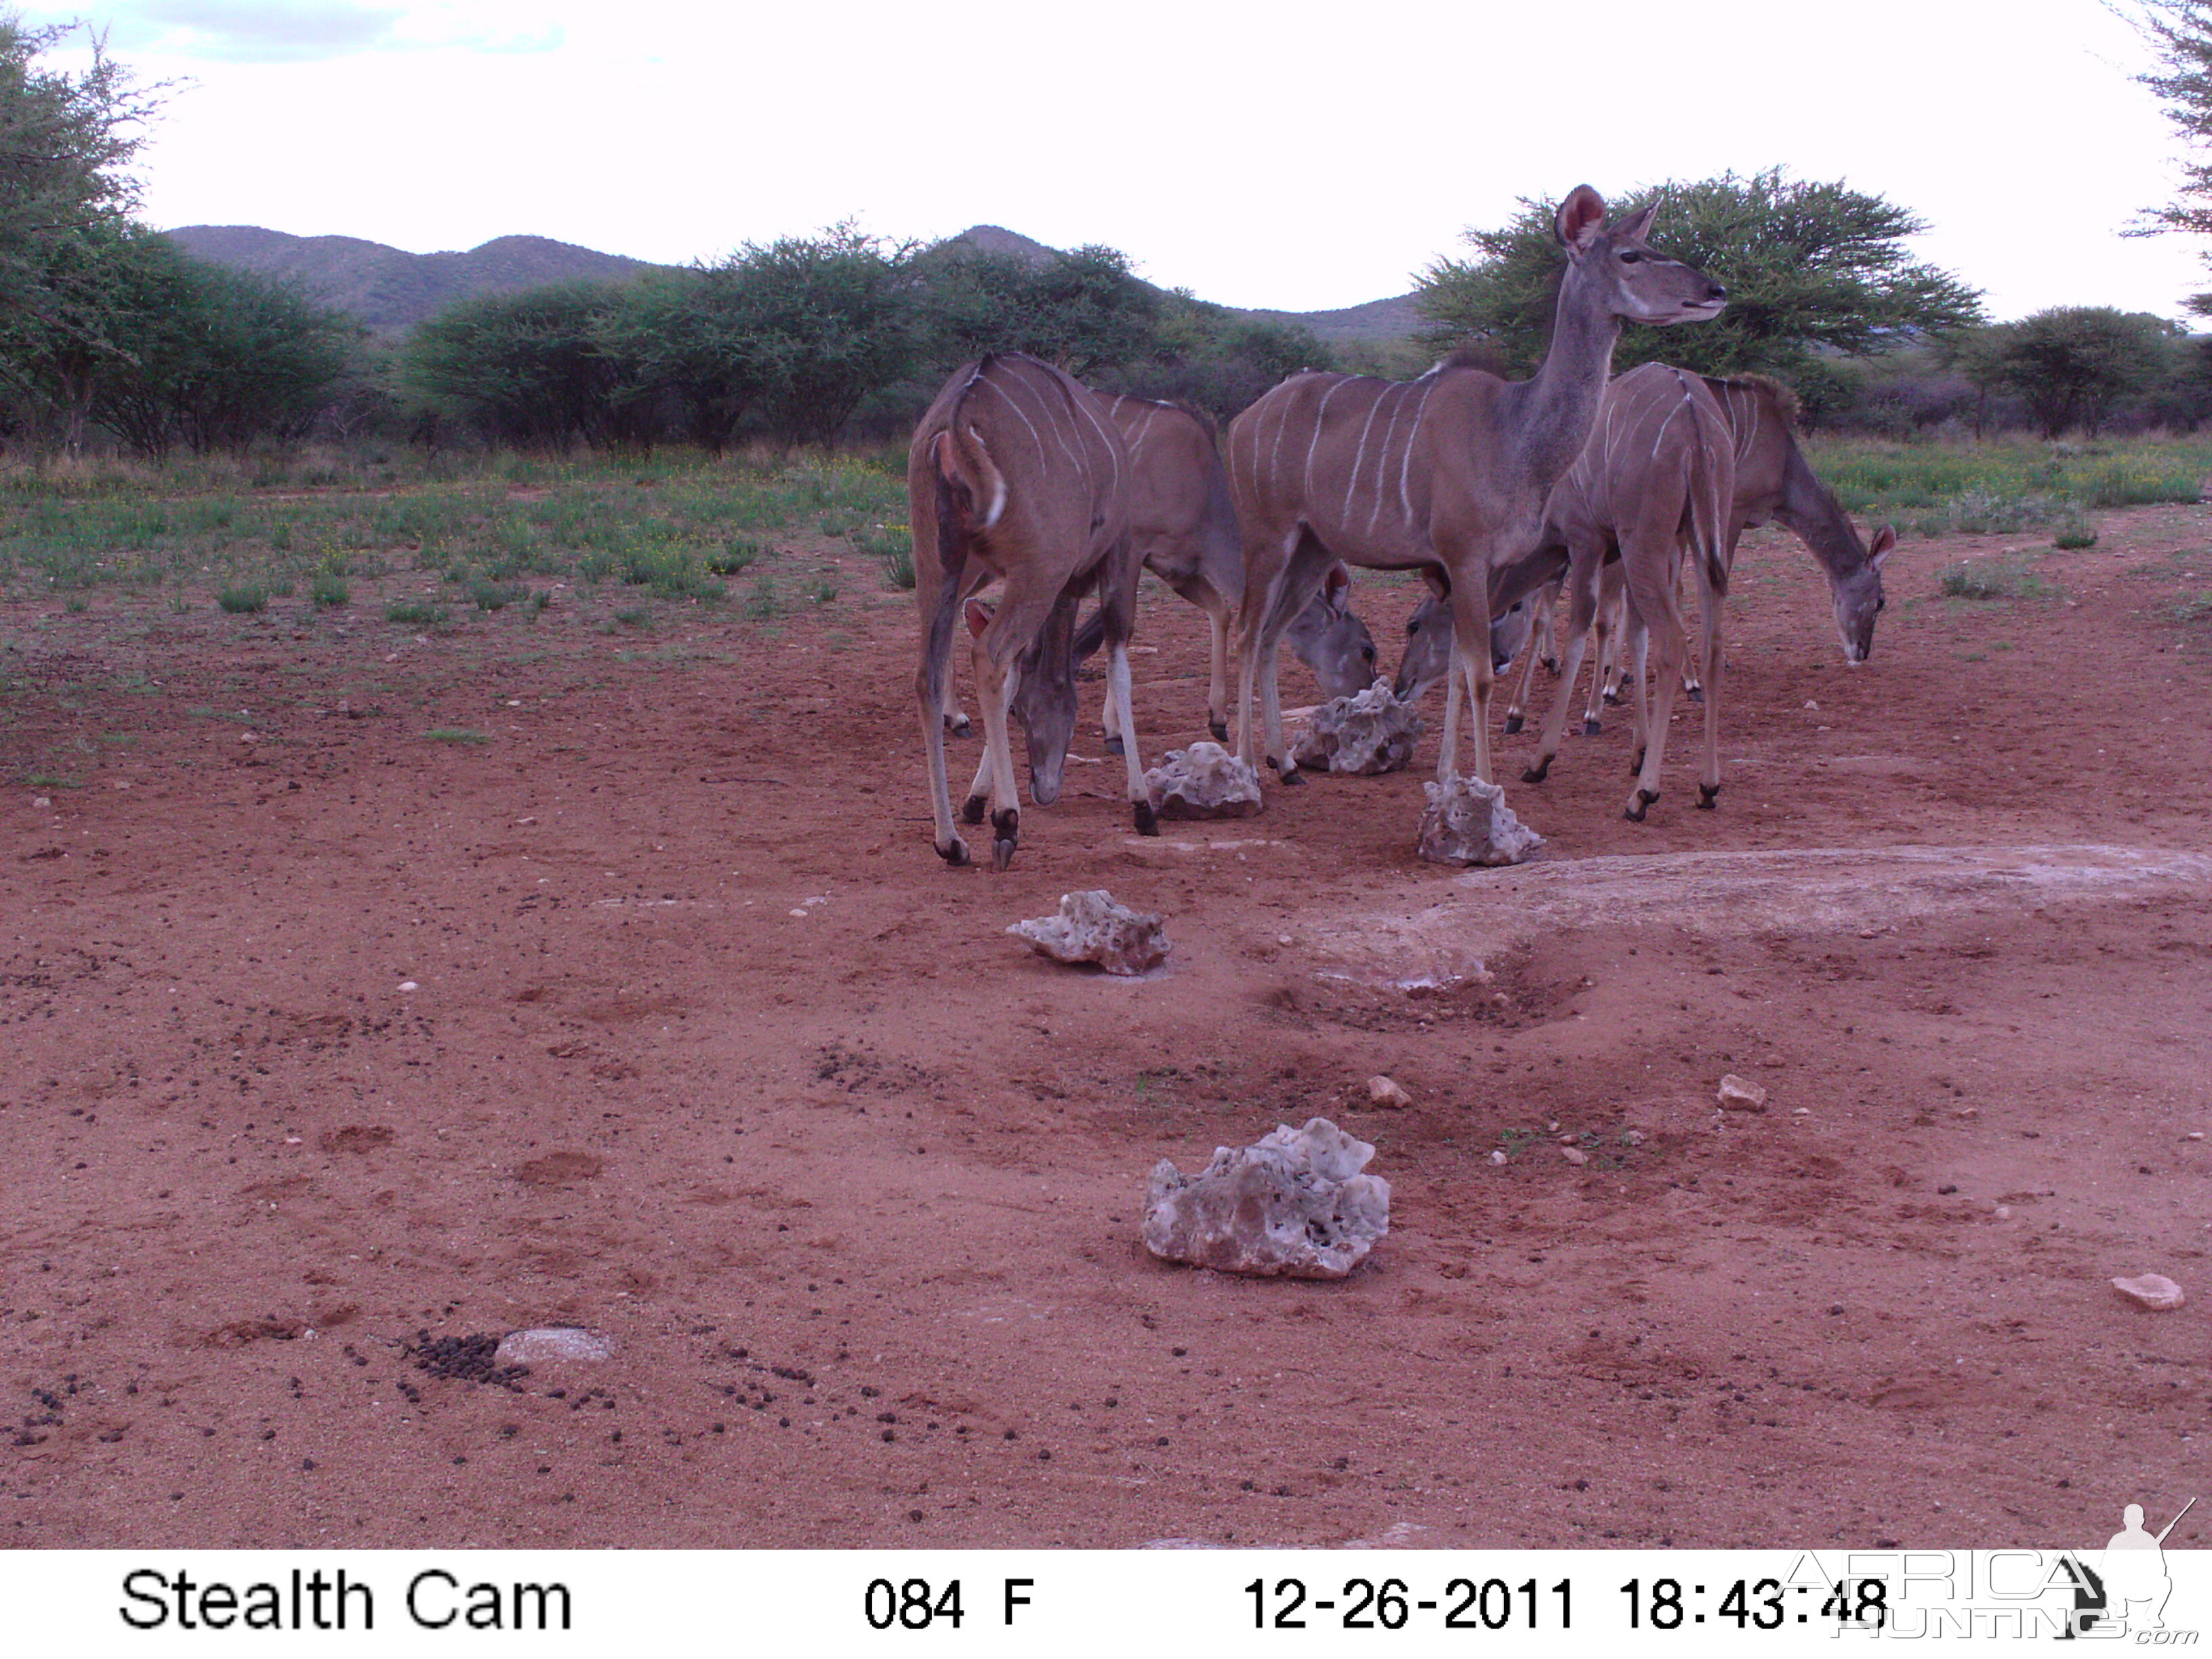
(496, 596)
(736, 555)
(415, 613)
(329, 592)
(1992, 579)
(244, 599)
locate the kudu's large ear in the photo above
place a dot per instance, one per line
(1884, 543)
(1637, 227)
(979, 617)
(1581, 216)
(1336, 587)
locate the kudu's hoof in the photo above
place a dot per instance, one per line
(1552, 666)
(1220, 730)
(957, 726)
(1695, 693)
(971, 809)
(1708, 796)
(1642, 799)
(1288, 774)
(1611, 699)
(1007, 824)
(955, 855)
(1591, 728)
(1148, 821)
(1513, 723)
(1537, 773)
(1002, 854)
(1116, 746)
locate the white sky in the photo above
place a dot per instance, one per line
(1287, 154)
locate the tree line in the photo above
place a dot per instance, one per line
(111, 335)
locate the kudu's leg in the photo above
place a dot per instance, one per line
(1651, 596)
(1470, 605)
(995, 684)
(1117, 606)
(932, 689)
(1216, 682)
(1714, 605)
(1540, 645)
(1296, 581)
(1580, 585)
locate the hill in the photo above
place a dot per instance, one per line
(390, 288)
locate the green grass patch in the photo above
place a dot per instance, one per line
(328, 592)
(455, 734)
(244, 599)
(415, 613)
(1993, 579)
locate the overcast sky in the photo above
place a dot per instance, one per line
(1287, 154)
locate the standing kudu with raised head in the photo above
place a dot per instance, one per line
(1185, 530)
(1448, 473)
(1014, 474)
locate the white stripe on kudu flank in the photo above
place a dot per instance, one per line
(1382, 455)
(1275, 453)
(1359, 459)
(1404, 499)
(1314, 443)
(1105, 442)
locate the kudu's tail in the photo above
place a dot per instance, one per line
(1711, 504)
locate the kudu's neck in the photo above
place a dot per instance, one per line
(1557, 408)
(1809, 508)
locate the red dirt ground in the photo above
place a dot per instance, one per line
(709, 1052)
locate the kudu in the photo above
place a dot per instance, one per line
(1447, 473)
(1014, 473)
(1608, 486)
(1185, 529)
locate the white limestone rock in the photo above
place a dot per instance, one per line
(551, 1343)
(2153, 1290)
(1387, 1093)
(1468, 823)
(1741, 1095)
(1092, 927)
(1295, 1206)
(1203, 781)
(1371, 732)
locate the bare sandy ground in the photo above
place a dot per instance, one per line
(709, 1053)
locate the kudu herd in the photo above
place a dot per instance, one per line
(1494, 490)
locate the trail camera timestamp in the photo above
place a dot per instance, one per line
(1465, 1603)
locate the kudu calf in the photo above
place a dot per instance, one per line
(1014, 473)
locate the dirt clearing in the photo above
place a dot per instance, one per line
(708, 1052)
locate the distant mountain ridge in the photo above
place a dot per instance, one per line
(390, 290)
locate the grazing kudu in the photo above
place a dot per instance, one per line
(1772, 482)
(1185, 529)
(1447, 473)
(1013, 472)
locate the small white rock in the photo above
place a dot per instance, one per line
(1574, 1155)
(2153, 1290)
(553, 1342)
(408, 985)
(1810, 703)
(42, 800)
(1500, 1158)
(1388, 1093)
(2004, 1212)
(1740, 1095)
(2194, 1134)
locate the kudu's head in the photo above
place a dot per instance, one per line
(1858, 597)
(1332, 641)
(1429, 642)
(1620, 269)
(1045, 695)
